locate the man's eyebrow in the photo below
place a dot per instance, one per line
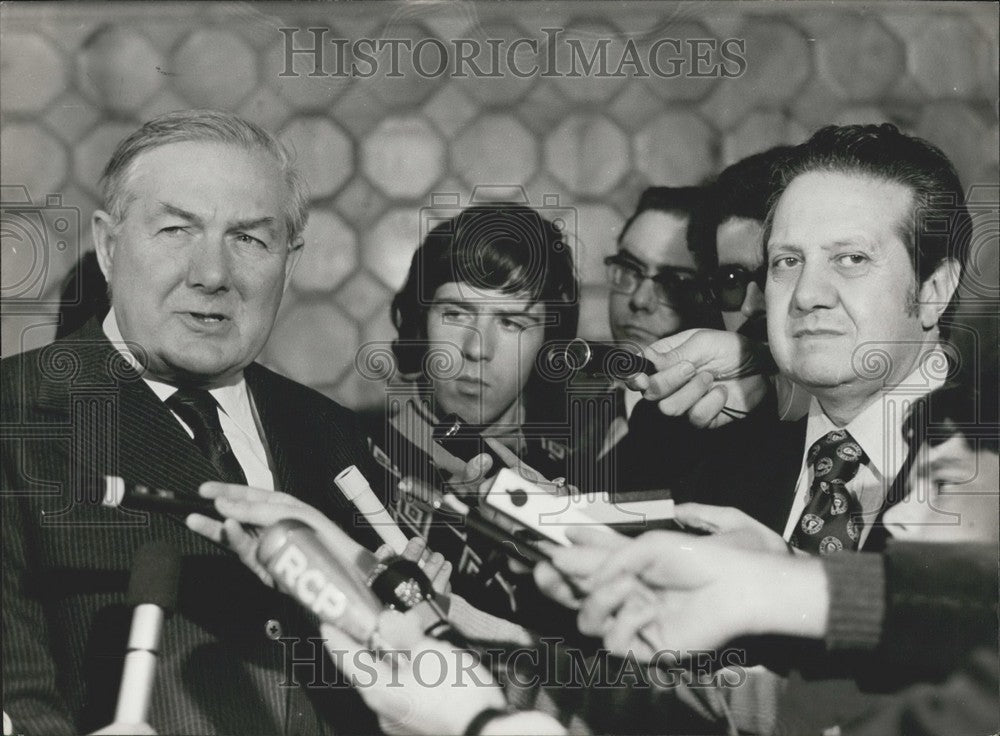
(852, 242)
(490, 307)
(252, 223)
(179, 212)
(247, 224)
(628, 255)
(786, 247)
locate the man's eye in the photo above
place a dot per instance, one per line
(173, 230)
(511, 325)
(244, 239)
(852, 259)
(783, 263)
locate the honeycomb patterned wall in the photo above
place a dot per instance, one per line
(76, 78)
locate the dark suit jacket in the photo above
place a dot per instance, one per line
(74, 411)
(751, 464)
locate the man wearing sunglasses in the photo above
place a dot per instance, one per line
(726, 238)
(664, 438)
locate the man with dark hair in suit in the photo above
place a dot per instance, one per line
(203, 217)
(866, 241)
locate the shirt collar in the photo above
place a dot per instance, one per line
(886, 451)
(232, 395)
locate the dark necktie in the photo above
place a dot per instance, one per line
(200, 412)
(831, 520)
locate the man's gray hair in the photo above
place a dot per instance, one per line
(202, 125)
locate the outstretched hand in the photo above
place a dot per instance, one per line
(711, 376)
(247, 508)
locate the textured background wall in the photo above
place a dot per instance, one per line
(76, 78)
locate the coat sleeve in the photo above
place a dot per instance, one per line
(31, 696)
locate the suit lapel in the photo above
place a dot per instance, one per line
(105, 402)
(307, 449)
(791, 439)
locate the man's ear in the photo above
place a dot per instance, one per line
(937, 290)
(294, 253)
(102, 232)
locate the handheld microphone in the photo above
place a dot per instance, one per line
(599, 359)
(152, 590)
(353, 484)
(402, 585)
(473, 519)
(136, 497)
(305, 569)
(464, 441)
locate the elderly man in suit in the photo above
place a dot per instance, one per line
(203, 215)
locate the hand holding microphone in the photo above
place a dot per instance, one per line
(711, 376)
(244, 508)
(395, 582)
(303, 567)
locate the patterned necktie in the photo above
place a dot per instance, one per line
(831, 519)
(199, 410)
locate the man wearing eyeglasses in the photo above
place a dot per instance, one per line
(653, 280)
(653, 272)
(664, 438)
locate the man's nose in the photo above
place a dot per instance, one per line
(477, 343)
(753, 302)
(814, 288)
(209, 265)
(644, 297)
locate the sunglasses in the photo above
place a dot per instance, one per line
(669, 282)
(727, 285)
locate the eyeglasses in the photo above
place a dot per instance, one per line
(669, 282)
(727, 285)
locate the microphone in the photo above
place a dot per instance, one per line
(152, 589)
(353, 484)
(464, 440)
(136, 497)
(304, 568)
(598, 359)
(521, 548)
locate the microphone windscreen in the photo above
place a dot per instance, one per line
(155, 574)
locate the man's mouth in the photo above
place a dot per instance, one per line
(636, 331)
(207, 318)
(469, 385)
(817, 332)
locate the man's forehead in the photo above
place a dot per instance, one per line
(474, 298)
(195, 175)
(833, 208)
(183, 161)
(656, 238)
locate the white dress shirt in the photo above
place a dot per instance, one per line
(879, 431)
(236, 413)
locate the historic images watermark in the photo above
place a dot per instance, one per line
(309, 662)
(554, 53)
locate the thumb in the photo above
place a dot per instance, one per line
(713, 519)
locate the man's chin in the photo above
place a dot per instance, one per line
(194, 368)
(822, 378)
